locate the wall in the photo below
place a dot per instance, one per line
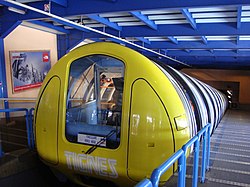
(24, 38)
(241, 76)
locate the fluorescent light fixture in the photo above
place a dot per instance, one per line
(12, 9)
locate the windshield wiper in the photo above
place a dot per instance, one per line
(91, 149)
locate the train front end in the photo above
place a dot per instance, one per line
(108, 115)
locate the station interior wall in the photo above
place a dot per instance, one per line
(240, 76)
(27, 39)
(24, 38)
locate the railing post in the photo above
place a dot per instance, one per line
(6, 106)
(31, 128)
(182, 165)
(1, 150)
(181, 170)
(203, 160)
(180, 155)
(28, 127)
(208, 146)
(196, 163)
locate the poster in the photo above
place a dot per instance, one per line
(29, 68)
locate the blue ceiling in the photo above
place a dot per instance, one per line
(193, 33)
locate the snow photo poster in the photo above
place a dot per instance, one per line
(29, 68)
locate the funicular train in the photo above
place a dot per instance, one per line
(106, 114)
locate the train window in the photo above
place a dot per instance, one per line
(94, 101)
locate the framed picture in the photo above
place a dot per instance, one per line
(29, 68)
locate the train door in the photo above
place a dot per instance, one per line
(46, 125)
(93, 117)
(151, 139)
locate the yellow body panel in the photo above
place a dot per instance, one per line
(47, 122)
(150, 136)
(111, 164)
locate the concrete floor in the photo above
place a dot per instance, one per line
(229, 162)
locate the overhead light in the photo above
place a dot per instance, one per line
(12, 9)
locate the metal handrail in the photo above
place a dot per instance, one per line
(158, 172)
(28, 125)
(180, 155)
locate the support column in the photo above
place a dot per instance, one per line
(3, 82)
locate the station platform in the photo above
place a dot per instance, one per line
(229, 161)
(230, 153)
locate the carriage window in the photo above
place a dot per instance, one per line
(94, 101)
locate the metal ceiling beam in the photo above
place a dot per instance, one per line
(144, 19)
(189, 17)
(165, 51)
(187, 50)
(204, 29)
(237, 40)
(104, 21)
(233, 53)
(50, 26)
(204, 39)
(172, 39)
(244, 44)
(239, 12)
(69, 24)
(144, 40)
(82, 28)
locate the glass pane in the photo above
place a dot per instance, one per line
(94, 101)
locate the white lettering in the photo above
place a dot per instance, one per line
(69, 157)
(112, 164)
(75, 162)
(82, 165)
(103, 166)
(92, 164)
(89, 164)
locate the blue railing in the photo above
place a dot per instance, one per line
(29, 128)
(180, 156)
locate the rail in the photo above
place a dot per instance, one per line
(180, 156)
(28, 120)
(16, 103)
(32, 129)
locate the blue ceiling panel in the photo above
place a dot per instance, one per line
(144, 19)
(208, 34)
(61, 2)
(172, 39)
(51, 26)
(201, 45)
(207, 53)
(189, 17)
(239, 15)
(104, 21)
(208, 29)
(76, 7)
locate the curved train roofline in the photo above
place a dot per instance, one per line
(104, 111)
